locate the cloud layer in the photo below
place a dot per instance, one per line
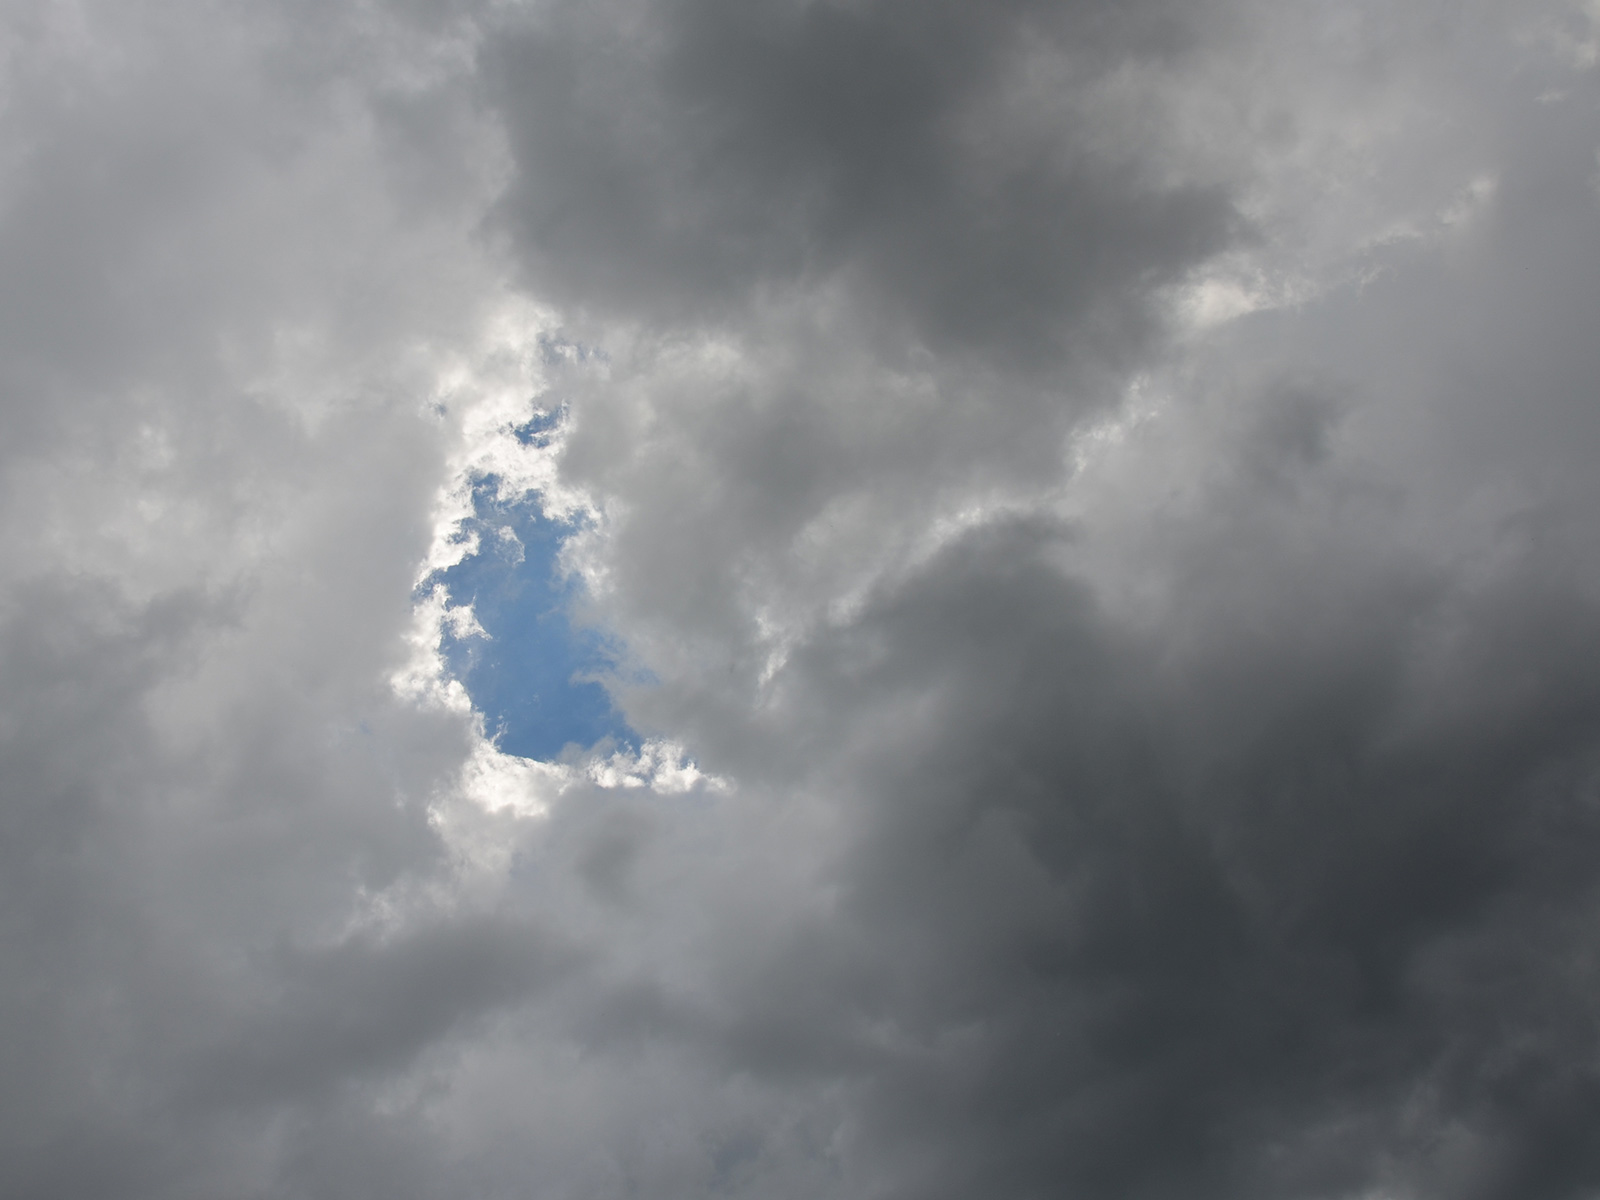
(1092, 504)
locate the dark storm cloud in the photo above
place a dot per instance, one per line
(1153, 925)
(677, 162)
(1253, 904)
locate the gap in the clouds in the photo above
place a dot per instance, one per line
(534, 676)
(539, 429)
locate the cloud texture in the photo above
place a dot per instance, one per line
(1090, 514)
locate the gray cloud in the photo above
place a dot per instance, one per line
(1174, 920)
(1106, 490)
(678, 162)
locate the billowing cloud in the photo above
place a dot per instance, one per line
(1073, 526)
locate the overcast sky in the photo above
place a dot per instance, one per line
(800, 599)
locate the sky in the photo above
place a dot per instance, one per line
(800, 599)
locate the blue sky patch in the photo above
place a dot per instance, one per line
(532, 677)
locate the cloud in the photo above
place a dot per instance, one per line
(683, 159)
(1094, 510)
